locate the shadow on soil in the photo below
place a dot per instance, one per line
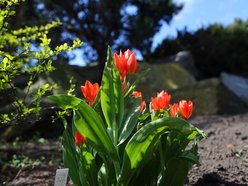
(213, 179)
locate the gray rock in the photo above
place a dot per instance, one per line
(183, 58)
(236, 84)
(210, 97)
(164, 76)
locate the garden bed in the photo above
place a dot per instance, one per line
(224, 156)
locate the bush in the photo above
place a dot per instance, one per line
(215, 49)
(25, 51)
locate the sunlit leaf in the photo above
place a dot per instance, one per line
(112, 100)
(143, 143)
(129, 123)
(88, 124)
(175, 173)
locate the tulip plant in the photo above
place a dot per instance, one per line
(115, 138)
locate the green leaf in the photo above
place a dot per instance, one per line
(112, 100)
(144, 117)
(175, 173)
(190, 156)
(107, 97)
(91, 127)
(173, 144)
(88, 123)
(88, 166)
(118, 95)
(81, 163)
(142, 144)
(70, 156)
(131, 118)
(65, 101)
(148, 175)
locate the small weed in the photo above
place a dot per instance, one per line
(23, 161)
(238, 153)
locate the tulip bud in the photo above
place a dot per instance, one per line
(90, 91)
(161, 101)
(186, 109)
(174, 109)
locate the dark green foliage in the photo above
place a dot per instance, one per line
(120, 24)
(215, 49)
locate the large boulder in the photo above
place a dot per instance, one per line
(236, 84)
(210, 96)
(164, 76)
(183, 58)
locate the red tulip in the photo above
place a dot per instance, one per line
(139, 95)
(79, 139)
(186, 109)
(121, 64)
(161, 101)
(90, 91)
(174, 109)
(132, 65)
(126, 63)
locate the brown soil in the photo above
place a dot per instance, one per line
(224, 153)
(224, 156)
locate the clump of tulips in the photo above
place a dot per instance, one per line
(116, 138)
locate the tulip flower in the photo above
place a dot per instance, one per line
(79, 139)
(121, 65)
(174, 109)
(90, 91)
(161, 101)
(126, 63)
(139, 95)
(132, 65)
(186, 109)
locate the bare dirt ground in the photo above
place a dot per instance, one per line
(224, 156)
(224, 153)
